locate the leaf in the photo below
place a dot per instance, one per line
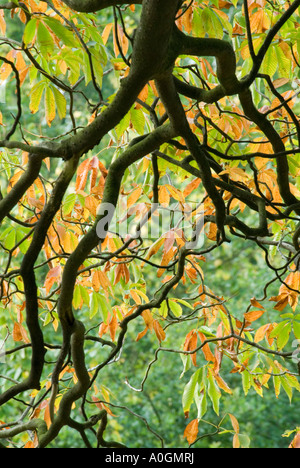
(206, 349)
(261, 333)
(45, 40)
(189, 391)
(30, 31)
(69, 204)
(134, 196)
(284, 336)
(234, 423)
(175, 308)
(191, 431)
(191, 344)
(253, 315)
(185, 303)
(159, 331)
(36, 94)
(61, 103)
(214, 393)
(255, 303)
(296, 328)
(49, 105)
(17, 335)
(64, 34)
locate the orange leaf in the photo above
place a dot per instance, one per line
(147, 316)
(296, 442)
(17, 335)
(134, 196)
(234, 423)
(141, 334)
(191, 187)
(159, 331)
(191, 344)
(29, 444)
(255, 303)
(206, 349)
(191, 431)
(106, 32)
(254, 315)
(113, 327)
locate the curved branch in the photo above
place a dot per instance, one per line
(37, 425)
(169, 96)
(76, 392)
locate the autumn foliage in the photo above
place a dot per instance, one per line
(194, 120)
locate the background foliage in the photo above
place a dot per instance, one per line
(62, 70)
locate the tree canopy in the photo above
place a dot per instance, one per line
(138, 143)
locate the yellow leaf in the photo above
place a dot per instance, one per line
(261, 333)
(2, 23)
(49, 105)
(106, 32)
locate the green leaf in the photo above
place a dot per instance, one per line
(69, 204)
(45, 41)
(84, 295)
(104, 306)
(175, 308)
(61, 103)
(244, 441)
(206, 332)
(287, 388)
(284, 335)
(189, 391)
(138, 120)
(77, 299)
(202, 405)
(277, 330)
(94, 306)
(246, 379)
(269, 65)
(163, 311)
(10, 240)
(185, 303)
(212, 23)
(64, 34)
(214, 393)
(296, 328)
(29, 31)
(277, 385)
